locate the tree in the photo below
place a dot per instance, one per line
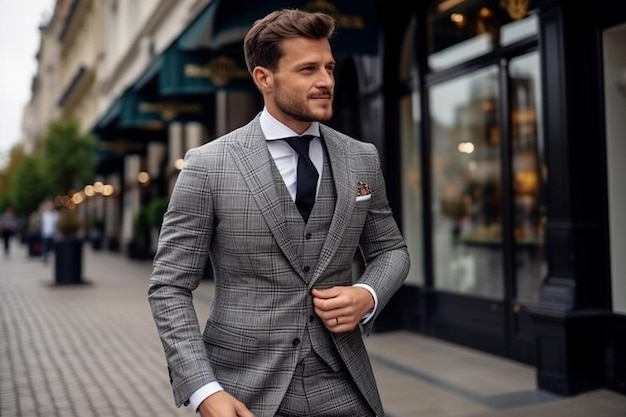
(68, 164)
(27, 187)
(68, 156)
(11, 164)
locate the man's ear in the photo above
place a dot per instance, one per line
(262, 78)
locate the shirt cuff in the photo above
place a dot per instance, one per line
(203, 393)
(370, 314)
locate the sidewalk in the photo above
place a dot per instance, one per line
(93, 350)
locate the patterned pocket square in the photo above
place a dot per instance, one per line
(363, 191)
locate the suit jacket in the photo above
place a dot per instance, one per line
(225, 205)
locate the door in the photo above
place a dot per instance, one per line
(488, 216)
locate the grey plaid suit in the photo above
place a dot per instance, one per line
(226, 205)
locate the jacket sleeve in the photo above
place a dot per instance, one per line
(384, 249)
(178, 267)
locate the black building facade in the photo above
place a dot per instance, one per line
(504, 145)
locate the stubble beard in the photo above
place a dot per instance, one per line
(298, 110)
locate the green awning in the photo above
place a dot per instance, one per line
(200, 72)
(141, 112)
(149, 78)
(207, 56)
(134, 111)
(109, 118)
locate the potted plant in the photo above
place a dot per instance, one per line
(68, 249)
(68, 163)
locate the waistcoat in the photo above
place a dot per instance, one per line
(308, 240)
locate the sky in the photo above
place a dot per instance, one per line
(19, 43)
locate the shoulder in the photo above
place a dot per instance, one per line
(216, 152)
(353, 144)
(241, 136)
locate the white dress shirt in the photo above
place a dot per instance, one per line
(286, 160)
(285, 157)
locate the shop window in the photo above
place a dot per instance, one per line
(529, 177)
(466, 185)
(460, 30)
(614, 53)
(412, 207)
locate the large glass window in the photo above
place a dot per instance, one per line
(464, 29)
(466, 185)
(529, 176)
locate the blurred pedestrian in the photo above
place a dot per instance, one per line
(8, 224)
(49, 220)
(281, 226)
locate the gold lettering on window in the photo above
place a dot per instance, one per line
(221, 71)
(342, 20)
(169, 110)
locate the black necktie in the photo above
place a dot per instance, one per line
(307, 175)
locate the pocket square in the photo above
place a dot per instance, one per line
(363, 191)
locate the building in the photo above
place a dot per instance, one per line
(498, 125)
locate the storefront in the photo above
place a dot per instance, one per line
(504, 119)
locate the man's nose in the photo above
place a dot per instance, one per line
(326, 78)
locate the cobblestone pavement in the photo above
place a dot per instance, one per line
(88, 350)
(93, 350)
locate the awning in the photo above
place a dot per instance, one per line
(133, 111)
(204, 71)
(109, 119)
(225, 22)
(208, 56)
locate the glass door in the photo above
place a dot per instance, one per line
(488, 210)
(467, 185)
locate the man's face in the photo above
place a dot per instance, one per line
(302, 87)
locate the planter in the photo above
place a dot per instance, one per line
(68, 263)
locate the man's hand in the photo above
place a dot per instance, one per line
(342, 308)
(222, 404)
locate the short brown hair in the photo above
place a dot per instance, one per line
(262, 44)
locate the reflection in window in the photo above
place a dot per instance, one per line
(614, 67)
(410, 160)
(411, 187)
(529, 176)
(465, 29)
(467, 217)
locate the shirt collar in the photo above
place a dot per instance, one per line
(273, 129)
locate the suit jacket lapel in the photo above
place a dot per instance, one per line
(345, 183)
(253, 160)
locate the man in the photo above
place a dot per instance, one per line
(284, 334)
(8, 227)
(49, 220)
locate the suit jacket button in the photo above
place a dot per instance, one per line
(307, 236)
(307, 268)
(295, 342)
(311, 318)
